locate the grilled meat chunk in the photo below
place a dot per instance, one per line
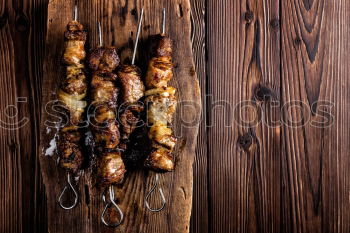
(129, 118)
(132, 86)
(160, 159)
(160, 68)
(104, 88)
(74, 84)
(159, 72)
(111, 168)
(74, 104)
(103, 112)
(70, 152)
(107, 134)
(161, 135)
(161, 104)
(128, 122)
(74, 26)
(164, 47)
(104, 59)
(75, 37)
(74, 52)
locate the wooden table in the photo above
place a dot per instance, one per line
(273, 163)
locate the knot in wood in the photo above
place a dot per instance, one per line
(245, 141)
(275, 24)
(249, 16)
(22, 23)
(3, 20)
(297, 41)
(134, 11)
(263, 93)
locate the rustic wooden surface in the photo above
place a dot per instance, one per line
(119, 25)
(246, 179)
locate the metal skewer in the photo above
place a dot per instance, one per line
(111, 202)
(163, 22)
(137, 38)
(160, 190)
(75, 13)
(99, 33)
(70, 185)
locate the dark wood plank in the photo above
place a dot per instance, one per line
(244, 159)
(199, 218)
(119, 24)
(22, 196)
(315, 67)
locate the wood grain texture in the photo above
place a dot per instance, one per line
(119, 24)
(22, 195)
(315, 64)
(200, 211)
(244, 151)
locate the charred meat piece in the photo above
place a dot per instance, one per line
(164, 47)
(74, 104)
(159, 72)
(136, 108)
(102, 112)
(160, 159)
(74, 52)
(132, 86)
(161, 135)
(75, 84)
(160, 68)
(128, 122)
(71, 157)
(161, 105)
(74, 26)
(129, 118)
(104, 88)
(75, 37)
(104, 59)
(111, 168)
(107, 134)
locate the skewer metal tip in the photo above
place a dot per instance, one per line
(163, 22)
(161, 195)
(70, 185)
(99, 33)
(75, 12)
(108, 205)
(137, 38)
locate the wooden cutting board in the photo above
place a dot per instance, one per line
(119, 24)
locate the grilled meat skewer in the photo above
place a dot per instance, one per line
(72, 93)
(111, 167)
(161, 102)
(105, 128)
